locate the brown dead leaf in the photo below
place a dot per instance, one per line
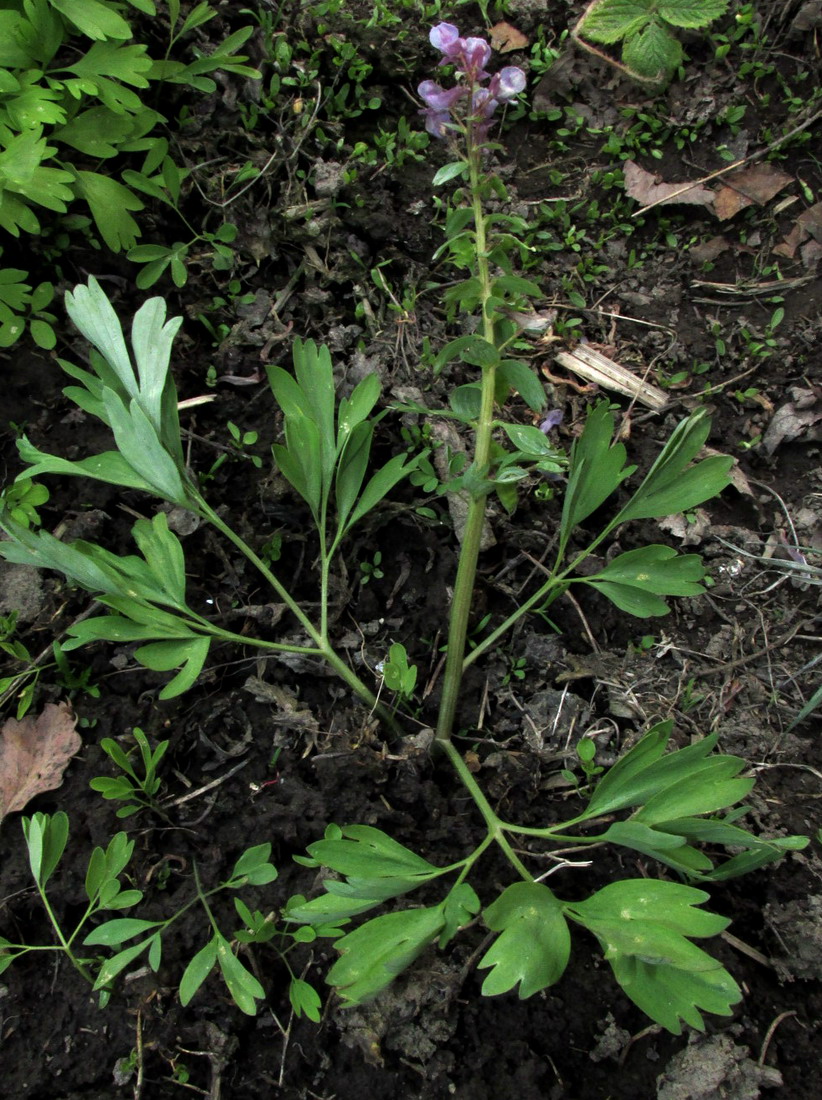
(34, 753)
(505, 38)
(811, 221)
(756, 184)
(647, 188)
(796, 419)
(709, 250)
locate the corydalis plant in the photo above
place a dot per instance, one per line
(468, 104)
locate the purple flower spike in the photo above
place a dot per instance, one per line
(469, 56)
(443, 36)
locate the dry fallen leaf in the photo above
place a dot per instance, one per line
(795, 419)
(505, 38)
(647, 188)
(34, 753)
(757, 184)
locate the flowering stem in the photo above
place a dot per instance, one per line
(475, 522)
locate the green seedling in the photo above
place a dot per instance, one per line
(370, 570)
(398, 676)
(138, 789)
(46, 837)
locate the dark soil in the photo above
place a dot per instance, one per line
(741, 660)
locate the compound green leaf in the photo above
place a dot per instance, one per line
(46, 838)
(669, 904)
(244, 988)
(164, 555)
(98, 132)
(459, 908)
(22, 171)
(380, 484)
(376, 952)
(644, 769)
(117, 963)
(534, 944)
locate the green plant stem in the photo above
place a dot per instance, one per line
(322, 647)
(65, 945)
(475, 521)
(496, 828)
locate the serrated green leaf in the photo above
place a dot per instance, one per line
(611, 20)
(652, 52)
(534, 944)
(376, 952)
(691, 13)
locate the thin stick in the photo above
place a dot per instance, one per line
(731, 167)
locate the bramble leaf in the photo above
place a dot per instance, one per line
(612, 20)
(652, 51)
(691, 13)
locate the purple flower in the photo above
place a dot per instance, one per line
(470, 56)
(551, 421)
(507, 83)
